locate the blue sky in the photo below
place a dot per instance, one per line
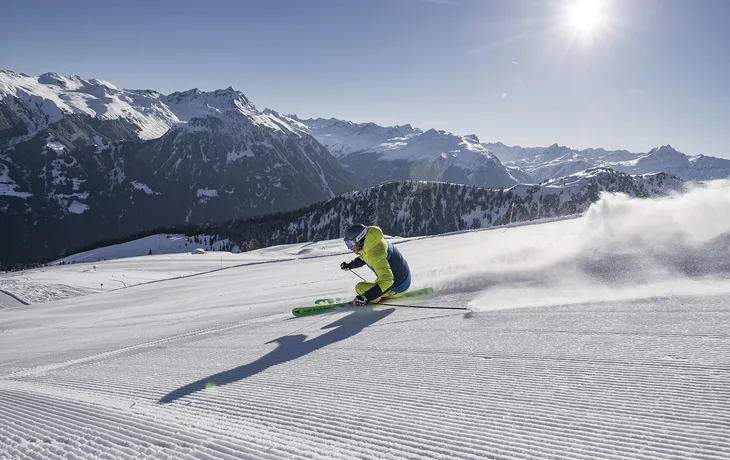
(648, 73)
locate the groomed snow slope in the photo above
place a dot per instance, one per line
(123, 267)
(599, 337)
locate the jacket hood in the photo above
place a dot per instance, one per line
(372, 239)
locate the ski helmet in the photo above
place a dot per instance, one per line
(355, 234)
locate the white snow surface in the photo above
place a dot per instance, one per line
(206, 192)
(144, 187)
(598, 337)
(77, 207)
(8, 186)
(57, 146)
(235, 155)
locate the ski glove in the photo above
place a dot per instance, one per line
(359, 301)
(345, 266)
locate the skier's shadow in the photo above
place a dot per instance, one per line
(290, 347)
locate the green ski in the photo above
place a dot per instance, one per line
(415, 293)
(302, 311)
(322, 305)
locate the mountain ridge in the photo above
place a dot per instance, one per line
(74, 165)
(379, 154)
(543, 163)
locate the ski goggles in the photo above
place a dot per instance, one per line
(360, 237)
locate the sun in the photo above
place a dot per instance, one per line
(585, 17)
(585, 27)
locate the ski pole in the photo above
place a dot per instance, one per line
(421, 306)
(358, 275)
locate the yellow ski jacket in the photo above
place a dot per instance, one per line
(386, 261)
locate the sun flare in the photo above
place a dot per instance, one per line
(585, 17)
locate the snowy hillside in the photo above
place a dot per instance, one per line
(599, 337)
(380, 154)
(154, 244)
(417, 208)
(110, 268)
(543, 163)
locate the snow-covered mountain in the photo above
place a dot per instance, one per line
(665, 158)
(99, 161)
(30, 104)
(345, 137)
(543, 163)
(380, 154)
(508, 153)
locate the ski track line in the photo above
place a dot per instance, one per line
(70, 421)
(445, 407)
(64, 432)
(442, 353)
(517, 373)
(14, 297)
(617, 333)
(567, 402)
(320, 417)
(367, 448)
(642, 362)
(267, 398)
(120, 433)
(572, 359)
(315, 445)
(479, 454)
(361, 437)
(378, 416)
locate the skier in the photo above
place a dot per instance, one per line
(393, 275)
